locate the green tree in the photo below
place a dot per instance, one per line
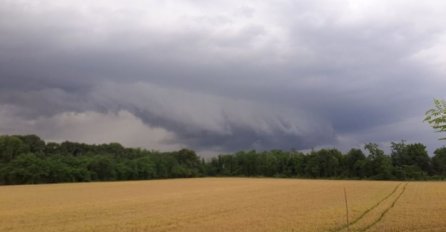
(436, 116)
(52, 148)
(329, 162)
(411, 155)
(28, 169)
(227, 165)
(145, 168)
(102, 168)
(248, 162)
(379, 165)
(268, 164)
(297, 161)
(11, 147)
(439, 162)
(33, 142)
(312, 165)
(354, 161)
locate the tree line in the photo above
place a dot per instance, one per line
(27, 159)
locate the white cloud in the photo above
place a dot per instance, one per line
(90, 127)
(434, 57)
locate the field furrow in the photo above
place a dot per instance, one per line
(364, 214)
(422, 207)
(377, 213)
(383, 213)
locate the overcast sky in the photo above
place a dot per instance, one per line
(220, 76)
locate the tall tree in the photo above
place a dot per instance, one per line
(34, 143)
(380, 165)
(11, 147)
(354, 163)
(436, 116)
(439, 162)
(410, 161)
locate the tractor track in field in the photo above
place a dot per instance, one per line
(367, 211)
(386, 210)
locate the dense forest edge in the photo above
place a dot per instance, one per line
(27, 159)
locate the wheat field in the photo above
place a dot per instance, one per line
(225, 204)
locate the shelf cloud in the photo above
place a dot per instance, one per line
(220, 76)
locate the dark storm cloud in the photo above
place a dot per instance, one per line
(225, 76)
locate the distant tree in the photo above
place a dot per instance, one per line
(329, 160)
(379, 165)
(71, 148)
(411, 155)
(420, 158)
(52, 148)
(33, 142)
(297, 161)
(58, 170)
(102, 168)
(436, 116)
(312, 165)
(323, 163)
(112, 148)
(164, 164)
(211, 167)
(28, 159)
(187, 158)
(145, 168)
(354, 163)
(248, 162)
(28, 169)
(126, 170)
(228, 165)
(439, 162)
(11, 147)
(277, 163)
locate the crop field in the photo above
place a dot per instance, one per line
(225, 204)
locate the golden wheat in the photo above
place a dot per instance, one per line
(222, 204)
(422, 207)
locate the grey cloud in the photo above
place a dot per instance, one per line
(205, 120)
(227, 76)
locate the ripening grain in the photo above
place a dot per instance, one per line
(421, 208)
(220, 204)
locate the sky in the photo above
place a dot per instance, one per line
(221, 76)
